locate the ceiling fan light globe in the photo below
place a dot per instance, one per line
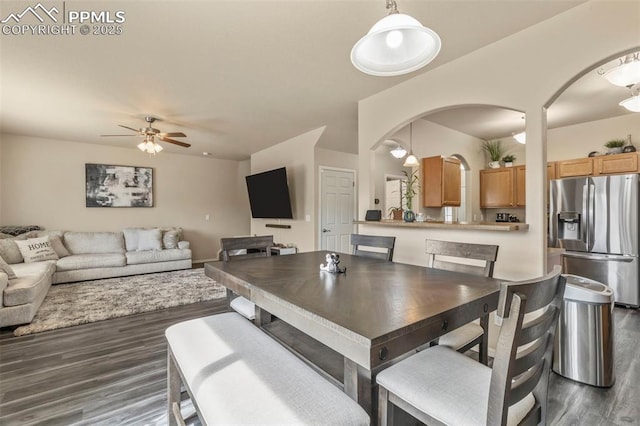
(398, 152)
(397, 44)
(157, 148)
(142, 146)
(632, 103)
(626, 74)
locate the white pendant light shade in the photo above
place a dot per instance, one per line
(411, 161)
(397, 44)
(625, 74)
(520, 137)
(632, 103)
(398, 152)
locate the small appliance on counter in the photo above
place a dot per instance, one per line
(502, 217)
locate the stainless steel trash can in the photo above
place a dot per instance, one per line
(584, 344)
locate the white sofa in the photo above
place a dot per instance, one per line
(81, 256)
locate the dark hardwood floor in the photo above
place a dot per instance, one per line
(113, 373)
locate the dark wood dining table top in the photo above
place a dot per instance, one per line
(374, 298)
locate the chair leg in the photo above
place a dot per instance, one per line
(385, 408)
(173, 390)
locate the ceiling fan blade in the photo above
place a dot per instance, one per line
(173, 135)
(163, 139)
(130, 128)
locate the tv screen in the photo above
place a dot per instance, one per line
(269, 195)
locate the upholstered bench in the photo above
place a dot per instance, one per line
(236, 374)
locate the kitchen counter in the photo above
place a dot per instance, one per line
(475, 226)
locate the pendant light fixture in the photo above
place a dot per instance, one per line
(627, 73)
(397, 44)
(411, 160)
(398, 152)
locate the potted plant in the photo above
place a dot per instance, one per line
(410, 187)
(494, 150)
(508, 160)
(615, 146)
(395, 213)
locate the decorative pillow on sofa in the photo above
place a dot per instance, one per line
(149, 239)
(56, 242)
(4, 267)
(131, 238)
(170, 237)
(36, 249)
(9, 251)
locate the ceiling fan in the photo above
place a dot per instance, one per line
(150, 133)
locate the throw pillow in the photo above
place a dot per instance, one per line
(131, 238)
(9, 251)
(36, 249)
(149, 239)
(3, 236)
(4, 267)
(58, 246)
(170, 239)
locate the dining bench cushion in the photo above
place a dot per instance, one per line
(451, 387)
(237, 374)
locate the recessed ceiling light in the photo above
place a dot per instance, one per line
(206, 153)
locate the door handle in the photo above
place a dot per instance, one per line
(326, 230)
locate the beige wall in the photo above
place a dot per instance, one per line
(43, 184)
(505, 74)
(297, 155)
(578, 141)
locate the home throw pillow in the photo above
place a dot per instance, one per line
(4, 267)
(149, 239)
(36, 249)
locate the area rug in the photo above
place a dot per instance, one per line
(90, 301)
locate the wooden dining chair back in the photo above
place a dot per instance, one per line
(446, 254)
(450, 255)
(248, 246)
(238, 248)
(358, 241)
(439, 380)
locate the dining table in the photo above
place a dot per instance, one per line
(372, 314)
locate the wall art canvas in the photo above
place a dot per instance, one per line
(118, 186)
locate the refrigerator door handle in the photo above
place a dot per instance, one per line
(605, 257)
(592, 219)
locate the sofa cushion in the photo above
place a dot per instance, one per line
(4, 267)
(149, 239)
(31, 276)
(36, 250)
(94, 242)
(88, 261)
(149, 256)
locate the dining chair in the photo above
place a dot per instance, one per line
(449, 255)
(239, 248)
(358, 241)
(442, 386)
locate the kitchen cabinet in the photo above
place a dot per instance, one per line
(573, 168)
(503, 187)
(618, 163)
(551, 171)
(441, 182)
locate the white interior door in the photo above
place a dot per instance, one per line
(336, 217)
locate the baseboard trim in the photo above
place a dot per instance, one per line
(204, 260)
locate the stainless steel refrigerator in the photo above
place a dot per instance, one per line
(595, 219)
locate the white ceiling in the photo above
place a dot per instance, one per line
(235, 76)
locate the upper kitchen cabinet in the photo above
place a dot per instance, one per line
(573, 168)
(618, 163)
(503, 187)
(441, 181)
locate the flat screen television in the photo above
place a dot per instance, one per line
(269, 195)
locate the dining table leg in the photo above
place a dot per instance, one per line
(359, 384)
